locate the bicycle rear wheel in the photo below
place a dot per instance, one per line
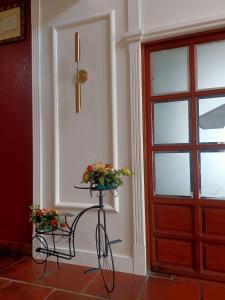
(105, 257)
(39, 249)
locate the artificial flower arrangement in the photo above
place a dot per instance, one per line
(102, 175)
(46, 219)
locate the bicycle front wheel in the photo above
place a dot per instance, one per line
(39, 249)
(105, 257)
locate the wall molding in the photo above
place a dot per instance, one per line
(139, 246)
(173, 30)
(110, 16)
(36, 102)
(133, 36)
(184, 28)
(84, 205)
(123, 263)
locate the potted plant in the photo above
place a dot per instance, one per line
(103, 176)
(46, 219)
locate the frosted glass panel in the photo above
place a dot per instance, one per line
(171, 124)
(172, 174)
(211, 120)
(212, 174)
(211, 65)
(169, 71)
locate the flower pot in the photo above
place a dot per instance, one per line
(100, 187)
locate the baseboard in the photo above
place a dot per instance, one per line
(122, 263)
(15, 248)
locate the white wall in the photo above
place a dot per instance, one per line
(100, 131)
(162, 13)
(109, 126)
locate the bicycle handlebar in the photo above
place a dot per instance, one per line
(81, 187)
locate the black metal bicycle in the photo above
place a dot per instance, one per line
(41, 249)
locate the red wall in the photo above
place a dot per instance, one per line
(16, 136)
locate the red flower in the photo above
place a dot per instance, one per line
(54, 223)
(90, 168)
(39, 213)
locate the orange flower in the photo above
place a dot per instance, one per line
(86, 177)
(99, 166)
(108, 166)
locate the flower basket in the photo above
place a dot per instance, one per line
(46, 219)
(102, 176)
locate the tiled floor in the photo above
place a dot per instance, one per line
(20, 279)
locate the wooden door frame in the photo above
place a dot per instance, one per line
(212, 35)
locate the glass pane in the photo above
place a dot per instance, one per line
(211, 114)
(169, 71)
(171, 123)
(172, 173)
(211, 65)
(212, 175)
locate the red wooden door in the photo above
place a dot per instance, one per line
(184, 120)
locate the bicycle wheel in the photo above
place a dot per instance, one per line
(39, 249)
(105, 257)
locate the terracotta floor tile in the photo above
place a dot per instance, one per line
(6, 261)
(70, 283)
(27, 270)
(16, 291)
(213, 292)
(58, 295)
(127, 287)
(68, 277)
(165, 289)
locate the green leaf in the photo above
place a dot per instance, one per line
(101, 180)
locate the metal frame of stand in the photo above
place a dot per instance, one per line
(42, 252)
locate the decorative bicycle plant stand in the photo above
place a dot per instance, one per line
(41, 249)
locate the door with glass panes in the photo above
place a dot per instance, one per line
(184, 118)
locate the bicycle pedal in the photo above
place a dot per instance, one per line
(91, 270)
(115, 242)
